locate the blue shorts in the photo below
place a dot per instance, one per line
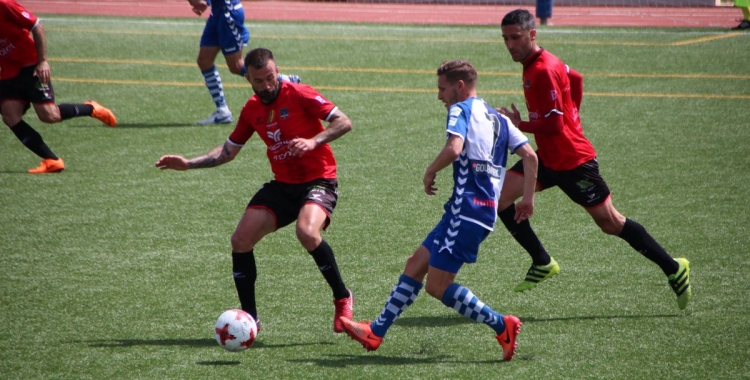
(226, 31)
(454, 242)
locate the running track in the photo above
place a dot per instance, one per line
(721, 17)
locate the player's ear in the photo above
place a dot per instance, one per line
(532, 34)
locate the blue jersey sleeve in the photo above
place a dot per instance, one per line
(458, 121)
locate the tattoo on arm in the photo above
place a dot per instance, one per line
(215, 157)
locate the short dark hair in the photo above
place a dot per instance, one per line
(457, 70)
(520, 17)
(258, 58)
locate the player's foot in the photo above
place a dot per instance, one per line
(102, 113)
(507, 339)
(49, 165)
(537, 274)
(680, 283)
(344, 308)
(744, 25)
(361, 332)
(222, 115)
(290, 78)
(257, 325)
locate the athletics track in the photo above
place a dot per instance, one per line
(393, 13)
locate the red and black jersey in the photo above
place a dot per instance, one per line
(17, 48)
(553, 115)
(296, 112)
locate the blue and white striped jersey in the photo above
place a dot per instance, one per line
(479, 170)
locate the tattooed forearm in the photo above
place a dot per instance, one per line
(215, 157)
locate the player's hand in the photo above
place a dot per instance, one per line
(172, 162)
(42, 71)
(524, 210)
(513, 114)
(429, 183)
(299, 146)
(199, 7)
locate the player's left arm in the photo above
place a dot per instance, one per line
(42, 69)
(450, 152)
(576, 86)
(338, 125)
(525, 207)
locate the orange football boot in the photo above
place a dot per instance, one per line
(507, 339)
(102, 113)
(362, 333)
(49, 165)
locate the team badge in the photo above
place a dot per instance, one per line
(527, 84)
(284, 113)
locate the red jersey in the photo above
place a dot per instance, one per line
(17, 48)
(296, 112)
(553, 115)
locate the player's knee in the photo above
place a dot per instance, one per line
(50, 118)
(235, 69)
(241, 243)
(610, 227)
(309, 238)
(434, 290)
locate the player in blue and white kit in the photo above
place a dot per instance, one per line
(225, 31)
(478, 142)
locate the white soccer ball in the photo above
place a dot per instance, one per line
(235, 330)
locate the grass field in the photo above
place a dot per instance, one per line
(114, 269)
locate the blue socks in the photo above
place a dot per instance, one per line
(214, 85)
(402, 295)
(467, 304)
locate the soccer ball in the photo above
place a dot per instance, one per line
(235, 330)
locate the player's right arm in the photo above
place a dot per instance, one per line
(199, 6)
(214, 157)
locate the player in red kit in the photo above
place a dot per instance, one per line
(567, 160)
(287, 117)
(25, 79)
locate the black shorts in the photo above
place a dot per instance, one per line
(286, 200)
(27, 88)
(583, 184)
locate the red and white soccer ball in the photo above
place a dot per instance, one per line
(235, 330)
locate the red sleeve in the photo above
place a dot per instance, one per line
(243, 130)
(550, 125)
(576, 87)
(314, 103)
(547, 103)
(18, 15)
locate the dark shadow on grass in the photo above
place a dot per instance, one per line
(219, 363)
(115, 343)
(155, 125)
(437, 321)
(596, 317)
(339, 361)
(136, 125)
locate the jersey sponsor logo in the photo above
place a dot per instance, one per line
(484, 202)
(274, 135)
(553, 94)
(487, 168)
(320, 99)
(26, 14)
(585, 184)
(284, 113)
(533, 115)
(7, 49)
